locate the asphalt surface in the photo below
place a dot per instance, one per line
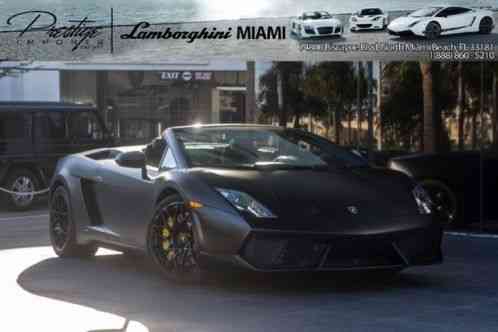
(113, 292)
(374, 46)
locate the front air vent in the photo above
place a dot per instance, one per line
(88, 190)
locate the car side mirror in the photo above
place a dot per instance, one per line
(133, 159)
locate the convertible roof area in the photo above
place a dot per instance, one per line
(44, 106)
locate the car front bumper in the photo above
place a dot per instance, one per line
(322, 31)
(240, 245)
(359, 26)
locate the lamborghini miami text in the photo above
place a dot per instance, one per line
(243, 196)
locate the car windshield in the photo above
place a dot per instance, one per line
(316, 15)
(245, 147)
(370, 11)
(425, 12)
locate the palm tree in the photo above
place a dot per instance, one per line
(431, 126)
(461, 107)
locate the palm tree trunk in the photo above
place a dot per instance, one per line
(495, 108)
(461, 114)
(429, 137)
(337, 123)
(350, 129)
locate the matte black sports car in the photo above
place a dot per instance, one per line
(453, 182)
(253, 197)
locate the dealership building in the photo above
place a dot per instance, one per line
(139, 101)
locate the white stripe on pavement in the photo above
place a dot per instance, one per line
(24, 217)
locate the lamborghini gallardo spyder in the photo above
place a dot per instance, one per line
(434, 21)
(241, 196)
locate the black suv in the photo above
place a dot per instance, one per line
(34, 135)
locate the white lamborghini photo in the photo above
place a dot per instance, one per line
(316, 24)
(434, 21)
(368, 19)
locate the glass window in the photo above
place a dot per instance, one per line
(169, 161)
(85, 125)
(51, 125)
(154, 151)
(137, 129)
(236, 147)
(426, 12)
(14, 126)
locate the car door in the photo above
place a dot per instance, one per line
(125, 198)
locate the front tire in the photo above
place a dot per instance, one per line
(432, 30)
(171, 241)
(486, 25)
(63, 229)
(444, 200)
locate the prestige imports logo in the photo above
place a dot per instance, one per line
(78, 32)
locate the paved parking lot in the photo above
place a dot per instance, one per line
(44, 293)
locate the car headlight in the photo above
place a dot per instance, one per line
(423, 200)
(354, 19)
(413, 24)
(244, 202)
(376, 18)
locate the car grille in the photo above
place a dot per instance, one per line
(325, 30)
(401, 33)
(348, 254)
(280, 252)
(364, 26)
(309, 31)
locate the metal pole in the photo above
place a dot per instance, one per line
(481, 161)
(358, 104)
(370, 137)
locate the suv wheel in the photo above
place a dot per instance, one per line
(22, 181)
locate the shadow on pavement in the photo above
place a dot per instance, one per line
(131, 288)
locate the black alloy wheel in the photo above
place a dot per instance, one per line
(445, 205)
(62, 228)
(486, 25)
(171, 241)
(432, 30)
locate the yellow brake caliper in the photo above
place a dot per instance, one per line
(166, 233)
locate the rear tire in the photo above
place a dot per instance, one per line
(171, 242)
(63, 229)
(486, 25)
(21, 180)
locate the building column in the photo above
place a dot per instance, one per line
(250, 100)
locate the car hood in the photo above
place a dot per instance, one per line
(404, 22)
(303, 198)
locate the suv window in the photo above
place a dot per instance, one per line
(14, 126)
(50, 125)
(84, 125)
